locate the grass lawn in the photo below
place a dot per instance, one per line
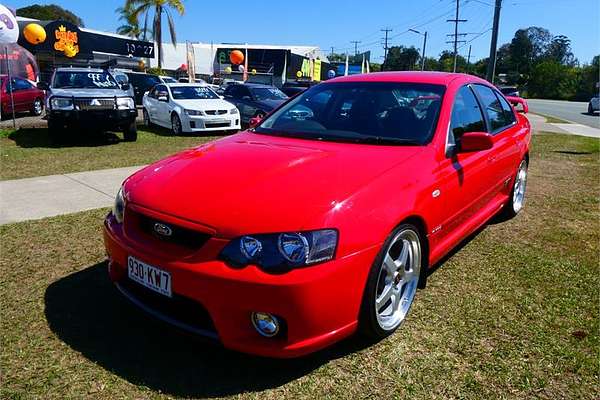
(30, 152)
(514, 314)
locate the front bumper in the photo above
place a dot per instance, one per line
(106, 119)
(319, 305)
(207, 123)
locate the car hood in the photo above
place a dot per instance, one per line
(268, 105)
(249, 183)
(89, 92)
(202, 105)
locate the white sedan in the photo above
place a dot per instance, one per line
(188, 107)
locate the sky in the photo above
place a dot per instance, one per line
(337, 23)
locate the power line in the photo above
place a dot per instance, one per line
(356, 42)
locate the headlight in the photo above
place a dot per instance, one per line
(194, 112)
(282, 251)
(234, 111)
(119, 206)
(60, 103)
(125, 103)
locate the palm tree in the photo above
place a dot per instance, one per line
(131, 26)
(160, 7)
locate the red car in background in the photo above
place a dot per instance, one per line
(26, 96)
(323, 219)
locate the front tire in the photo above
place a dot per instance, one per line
(392, 283)
(517, 195)
(176, 127)
(590, 109)
(130, 132)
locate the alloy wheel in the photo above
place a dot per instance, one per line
(37, 107)
(398, 279)
(519, 188)
(176, 124)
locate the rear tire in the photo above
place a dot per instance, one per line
(147, 120)
(130, 132)
(590, 109)
(37, 108)
(516, 200)
(392, 283)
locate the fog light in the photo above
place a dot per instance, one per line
(265, 324)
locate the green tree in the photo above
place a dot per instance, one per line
(559, 50)
(402, 58)
(589, 76)
(131, 26)
(49, 12)
(159, 7)
(446, 62)
(552, 80)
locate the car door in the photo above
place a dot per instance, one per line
(163, 116)
(19, 95)
(503, 126)
(28, 93)
(464, 179)
(149, 103)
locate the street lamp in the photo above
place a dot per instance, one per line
(424, 44)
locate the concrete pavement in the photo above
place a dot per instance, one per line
(539, 124)
(47, 196)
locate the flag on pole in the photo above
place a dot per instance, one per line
(362, 65)
(368, 69)
(346, 68)
(191, 62)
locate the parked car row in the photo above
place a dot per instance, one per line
(22, 93)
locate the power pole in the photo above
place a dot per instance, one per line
(424, 44)
(491, 67)
(469, 60)
(356, 42)
(332, 51)
(385, 46)
(456, 20)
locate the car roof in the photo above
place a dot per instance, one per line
(80, 69)
(184, 84)
(433, 77)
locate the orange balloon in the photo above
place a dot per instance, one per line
(236, 57)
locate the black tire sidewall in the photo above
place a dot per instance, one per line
(367, 322)
(130, 132)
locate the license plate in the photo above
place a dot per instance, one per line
(153, 278)
(216, 121)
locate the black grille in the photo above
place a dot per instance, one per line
(179, 308)
(216, 112)
(180, 236)
(217, 125)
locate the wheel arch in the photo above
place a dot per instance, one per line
(419, 222)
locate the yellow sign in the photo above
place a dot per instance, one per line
(317, 71)
(66, 41)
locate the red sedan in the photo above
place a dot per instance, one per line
(25, 95)
(323, 219)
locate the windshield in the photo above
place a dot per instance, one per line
(81, 79)
(363, 112)
(193, 93)
(267, 93)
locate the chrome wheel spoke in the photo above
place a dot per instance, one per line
(396, 286)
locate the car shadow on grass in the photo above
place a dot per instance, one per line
(39, 138)
(161, 131)
(92, 317)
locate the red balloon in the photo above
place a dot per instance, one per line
(236, 57)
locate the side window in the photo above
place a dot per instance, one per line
(244, 91)
(496, 115)
(232, 90)
(466, 114)
(506, 107)
(22, 84)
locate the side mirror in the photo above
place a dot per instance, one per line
(43, 86)
(475, 141)
(515, 101)
(163, 98)
(125, 86)
(254, 121)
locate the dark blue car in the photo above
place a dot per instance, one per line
(253, 99)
